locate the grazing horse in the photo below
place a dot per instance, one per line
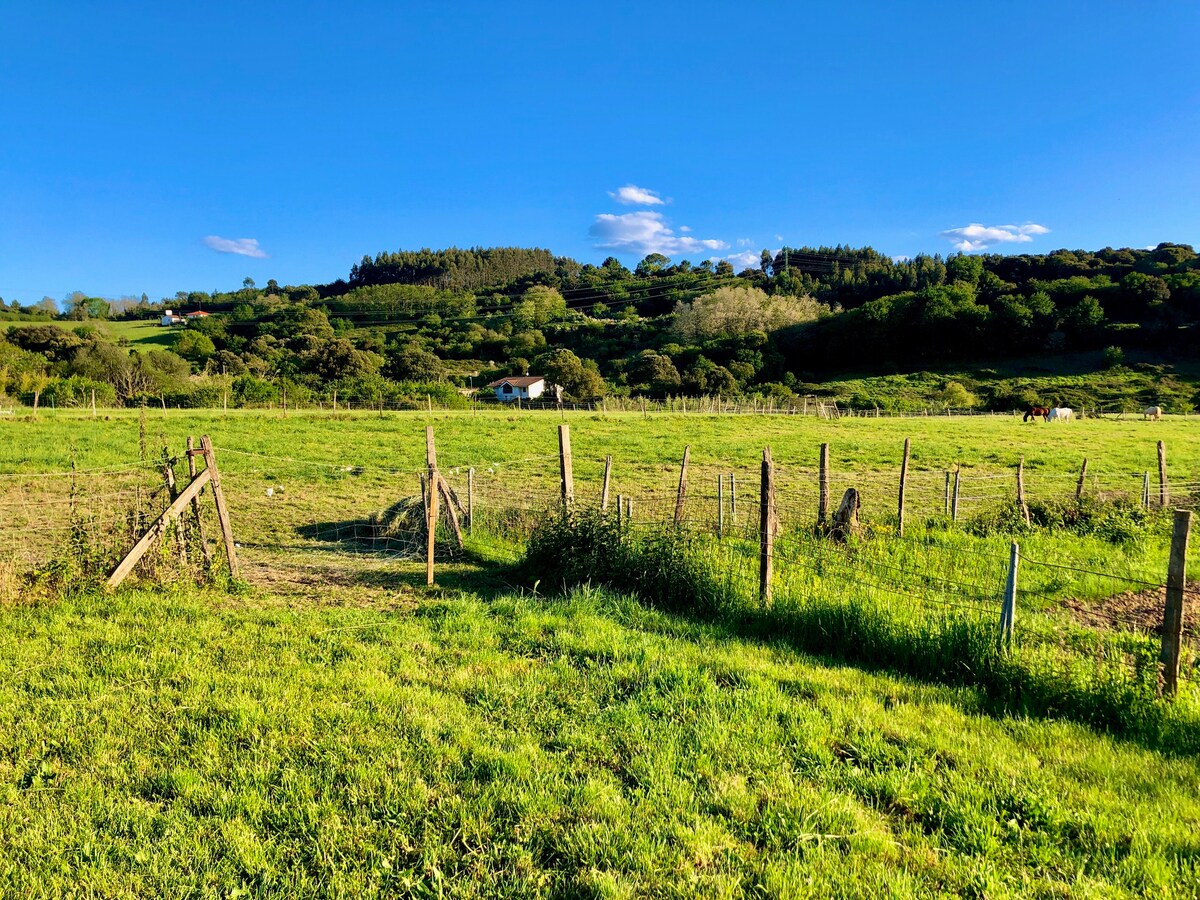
(1035, 411)
(1154, 413)
(1060, 414)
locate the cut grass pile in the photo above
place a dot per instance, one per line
(178, 744)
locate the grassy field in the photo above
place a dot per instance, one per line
(143, 334)
(334, 728)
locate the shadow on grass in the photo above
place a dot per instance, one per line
(674, 571)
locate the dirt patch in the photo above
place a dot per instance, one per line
(1135, 610)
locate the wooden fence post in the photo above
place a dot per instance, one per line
(954, 497)
(620, 510)
(903, 485)
(448, 496)
(197, 519)
(606, 484)
(471, 500)
(1146, 491)
(1172, 638)
(1082, 480)
(1162, 474)
(1021, 491)
(681, 493)
(431, 508)
(210, 460)
(1008, 610)
(567, 483)
(823, 487)
(628, 510)
(946, 496)
(93, 403)
(766, 534)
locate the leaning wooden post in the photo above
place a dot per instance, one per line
(954, 496)
(1172, 639)
(606, 484)
(681, 492)
(1082, 480)
(567, 483)
(431, 508)
(720, 506)
(823, 487)
(210, 460)
(126, 565)
(766, 533)
(471, 500)
(946, 496)
(197, 519)
(1021, 491)
(1008, 610)
(1162, 474)
(903, 485)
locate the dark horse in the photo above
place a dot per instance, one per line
(1034, 411)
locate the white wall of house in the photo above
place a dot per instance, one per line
(511, 392)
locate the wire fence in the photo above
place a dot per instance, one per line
(295, 516)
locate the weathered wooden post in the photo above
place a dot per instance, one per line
(1172, 639)
(954, 497)
(1021, 491)
(604, 487)
(628, 510)
(431, 507)
(197, 519)
(681, 492)
(620, 510)
(766, 531)
(1008, 609)
(1162, 475)
(823, 487)
(471, 500)
(903, 485)
(93, 403)
(1082, 480)
(567, 480)
(946, 496)
(210, 461)
(1146, 491)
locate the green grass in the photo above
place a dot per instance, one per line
(333, 730)
(143, 334)
(183, 744)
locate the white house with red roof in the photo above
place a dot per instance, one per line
(525, 387)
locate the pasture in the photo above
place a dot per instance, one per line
(332, 727)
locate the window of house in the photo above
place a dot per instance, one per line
(507, 389)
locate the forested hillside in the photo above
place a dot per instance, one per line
(1112, 326)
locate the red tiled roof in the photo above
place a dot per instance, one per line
(519, 381)
(198, 312)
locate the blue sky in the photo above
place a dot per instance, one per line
(163, 147)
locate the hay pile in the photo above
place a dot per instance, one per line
(403, 519)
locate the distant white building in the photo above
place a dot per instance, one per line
(525, 387)
(169, 318)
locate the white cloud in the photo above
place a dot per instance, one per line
(686, 228)
(632, 195)
(644, 232)
(748, 259)
(745, 242)
(980, 237)
(239, 246)
(779, 237)
(901, 259)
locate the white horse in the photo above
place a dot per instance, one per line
(1154, 413)
(1060, 414)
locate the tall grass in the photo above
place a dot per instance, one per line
(855, 605)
